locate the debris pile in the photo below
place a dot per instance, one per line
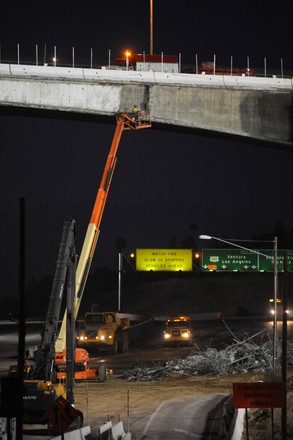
(240, 357)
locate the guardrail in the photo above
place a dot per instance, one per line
(214, 67)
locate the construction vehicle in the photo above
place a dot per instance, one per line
(124, 121)
(279, 309)
(55, 357)
(45, 371)
(178, 330)
(39, 385)
(104, 331)
(82, 371)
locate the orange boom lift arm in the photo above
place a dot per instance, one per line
(124, 122)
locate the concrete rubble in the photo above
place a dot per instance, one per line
(254, 353)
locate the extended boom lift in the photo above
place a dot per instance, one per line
(40, 375)
(124, 122)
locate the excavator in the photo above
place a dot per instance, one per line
(57, 350)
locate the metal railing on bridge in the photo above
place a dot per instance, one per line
(260, 68)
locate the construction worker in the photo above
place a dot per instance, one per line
(135, 114)
(134, 109)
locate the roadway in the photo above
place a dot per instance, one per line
(181, 419)
(171, 412)
(146, 343)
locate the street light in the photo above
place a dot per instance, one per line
(127, 55)
(275, 261)
(55, 57)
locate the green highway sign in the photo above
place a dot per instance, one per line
(242, 260)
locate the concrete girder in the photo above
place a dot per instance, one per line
(249, 109)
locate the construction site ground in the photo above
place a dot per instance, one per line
(135, 402)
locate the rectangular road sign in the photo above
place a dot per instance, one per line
(164, 259)
(231, 260)
(258, 395)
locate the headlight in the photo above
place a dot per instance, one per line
(167, 335)
(185, 335)
(81, 338)
(102, 337)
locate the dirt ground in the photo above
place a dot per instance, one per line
(134, 402)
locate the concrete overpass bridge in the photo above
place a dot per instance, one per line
(253, 109)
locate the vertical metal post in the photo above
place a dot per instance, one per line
(265, 66)
(120, 268)
(284, 349)
(45, 53)
(248, 68)
(91, 58)
(196, 64)
(37, 56)
(17, 53)
(21, 328)
(109, 58)
(246, 423)
(231, 65)
(282, 71)
(54, 59)
(73, 57)
(151, 28)
(128, 411)
(70, 328)
(179, 62)
(214, 64)
(275, 334)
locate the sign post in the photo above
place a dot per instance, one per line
(258, 395)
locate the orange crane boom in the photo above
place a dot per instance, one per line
(124, 122)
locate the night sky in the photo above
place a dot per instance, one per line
(163, 181)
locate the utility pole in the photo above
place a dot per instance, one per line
(284, 349)
(151, 28)
(120, 269)
(275, 333)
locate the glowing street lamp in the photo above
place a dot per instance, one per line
(275, 261)
(127, 55)
(55, 57)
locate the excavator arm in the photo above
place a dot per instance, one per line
(124, 122)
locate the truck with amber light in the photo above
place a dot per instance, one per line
(104, 331)
(178, 330)
(279, 309)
